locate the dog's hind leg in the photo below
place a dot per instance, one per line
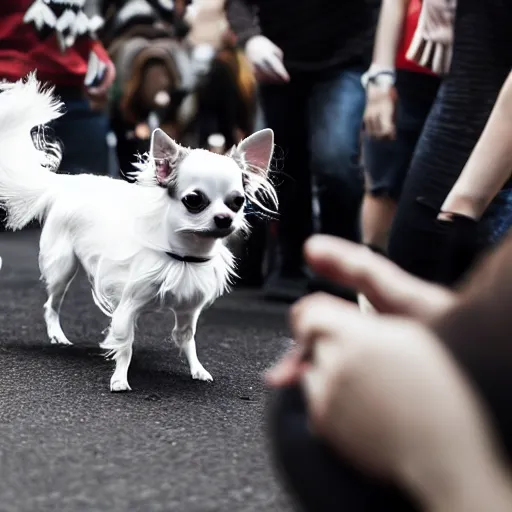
(119, 343)
(58, 265)
(183, 335)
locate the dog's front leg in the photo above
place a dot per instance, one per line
(119, 343)
(183, 335)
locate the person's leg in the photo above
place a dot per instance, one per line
(336, 108)
(83, 134)
(319, 479)
(436, 251)
(284, 108)
(481, 62)
(379, 206)
(386, 162)
(497, 220)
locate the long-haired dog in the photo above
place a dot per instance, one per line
(160, 239)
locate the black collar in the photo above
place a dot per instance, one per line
(187, 259)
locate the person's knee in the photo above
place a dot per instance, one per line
(424, 246)
(337, 168)
(385, 192)
(306, 466)
(334, 160)
(313, 472)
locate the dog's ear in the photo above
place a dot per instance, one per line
(166, 153)
(257, 150)
(253, 155)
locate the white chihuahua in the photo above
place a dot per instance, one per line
(162, 238)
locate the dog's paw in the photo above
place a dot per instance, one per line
(118, 385)
(199, 373)
(59, 339)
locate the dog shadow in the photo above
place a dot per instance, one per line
(149, 378)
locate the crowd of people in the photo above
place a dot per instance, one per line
(407, 409)
(392, 122)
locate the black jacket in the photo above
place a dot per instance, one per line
(314, 35)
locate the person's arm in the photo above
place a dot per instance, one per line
(380, 78)
(265, 57)
(389, 33)
(490, 164)
(242, 19)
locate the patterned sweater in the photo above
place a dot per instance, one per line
(52, 37)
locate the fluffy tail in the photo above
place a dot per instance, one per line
(27, 159)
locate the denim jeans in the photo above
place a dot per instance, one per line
(83, 135)
(317, 123)
(387, 161)
(497, 220)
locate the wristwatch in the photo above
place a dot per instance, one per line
(380, 77)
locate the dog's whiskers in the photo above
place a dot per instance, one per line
(124, 260)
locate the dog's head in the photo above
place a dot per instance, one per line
(209, 192)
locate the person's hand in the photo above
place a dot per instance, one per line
(388, 288)
(379, 115)
(384, 393)
(98, 95)
(266, 59)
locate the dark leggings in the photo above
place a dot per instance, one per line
(482, 59)
(321, 481)
(316, 477)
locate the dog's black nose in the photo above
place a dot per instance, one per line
(223, 221)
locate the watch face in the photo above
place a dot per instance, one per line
(383, 80)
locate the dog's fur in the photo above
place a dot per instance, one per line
(122, 233)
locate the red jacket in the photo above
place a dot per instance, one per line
(24, 48)
(411, 22)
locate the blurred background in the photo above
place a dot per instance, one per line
(180, 70)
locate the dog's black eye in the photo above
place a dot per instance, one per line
(236, 202)
(195, 202)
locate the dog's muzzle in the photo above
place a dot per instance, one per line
(217, 233)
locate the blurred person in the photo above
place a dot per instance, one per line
(208, 22)
(228, 110)
(399, 96)
(309, 57)
(481, 197)
(155, 79)
(479, 58)
(56, 38)
(400, 412)
(476, 194)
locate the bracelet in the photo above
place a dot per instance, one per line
(385, 77)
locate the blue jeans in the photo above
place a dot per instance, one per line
(497, 220)
(83, 134)
(387, 161)
(317, 124)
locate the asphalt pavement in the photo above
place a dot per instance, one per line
(173, 444)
